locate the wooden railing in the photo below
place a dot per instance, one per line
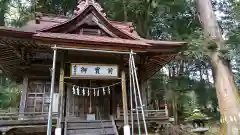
(26, 116)
(161, 112)
(150, 113)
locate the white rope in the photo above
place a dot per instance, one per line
(92, 88)
(86, 91)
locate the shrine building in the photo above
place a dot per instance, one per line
(86, 61)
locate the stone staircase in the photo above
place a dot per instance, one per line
(96, 127)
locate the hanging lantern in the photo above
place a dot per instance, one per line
(73, 90)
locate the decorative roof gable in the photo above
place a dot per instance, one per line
(89, 13)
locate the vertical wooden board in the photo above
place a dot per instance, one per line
(124, 98)
(24, 95)
(68, 105)
(114, 105)
(143, 92)
(56, 102)
(61, 91)
(81, 108)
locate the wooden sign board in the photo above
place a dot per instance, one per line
(93, 70)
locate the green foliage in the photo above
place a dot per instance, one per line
(199, 116)
(59, 7)
(19, 14)
(156, 19)
(190, 102)
(3, 10)
(9, 93)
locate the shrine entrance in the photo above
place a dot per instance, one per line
(89, 99)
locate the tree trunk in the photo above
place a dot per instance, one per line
(2, 18)
(125, 10)
(4, 6)
(223, 77)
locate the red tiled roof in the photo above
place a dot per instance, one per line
(160, 42)
(82, 14)
(90, 39)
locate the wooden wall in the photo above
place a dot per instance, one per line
(37, 99)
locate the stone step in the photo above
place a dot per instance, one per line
(97, 127)
(88, 124)
(81, 128)
(97, 131)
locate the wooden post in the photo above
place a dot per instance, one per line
(144, 94)
(142, 74)
(166, 109)
(118, 112)
(124, 98)
(68, 104)
(61, 92)
(149, 93)
(23, 95)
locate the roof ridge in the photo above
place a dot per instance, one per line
(83, 4)
(124, 34)
(51, 15)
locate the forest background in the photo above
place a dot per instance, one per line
(186, 83)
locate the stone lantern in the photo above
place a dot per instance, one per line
(198, 121)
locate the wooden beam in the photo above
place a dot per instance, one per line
(61, 91)
(23, 95)
(15, 51)
(142, 73)
(124, 98)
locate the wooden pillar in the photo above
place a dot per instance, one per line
(143, 92)
(143, 84)
(166, 109)
(124, 98)
(69, 103)
(149, 93)
(61, 92)
(114, 102)
(23, 95)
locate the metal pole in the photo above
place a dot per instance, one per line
(140, 99)
(91, 50)
(49, 126)
(131, 94)
(135, 95)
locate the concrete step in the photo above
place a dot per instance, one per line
(97, 127)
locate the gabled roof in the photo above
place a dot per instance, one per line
(49, 30)
(89, 11)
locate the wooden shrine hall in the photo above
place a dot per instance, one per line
(91, 72)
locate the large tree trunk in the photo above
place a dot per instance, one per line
(223, 77)
(4, 6)
(2, 18)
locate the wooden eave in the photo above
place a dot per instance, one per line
(90, 40)
(155, 63)
(159, 53)
(157, 43)
(15, 32)
(150, 46)
(59, 28)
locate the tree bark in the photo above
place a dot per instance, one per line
(226, 89)
(3, 5)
